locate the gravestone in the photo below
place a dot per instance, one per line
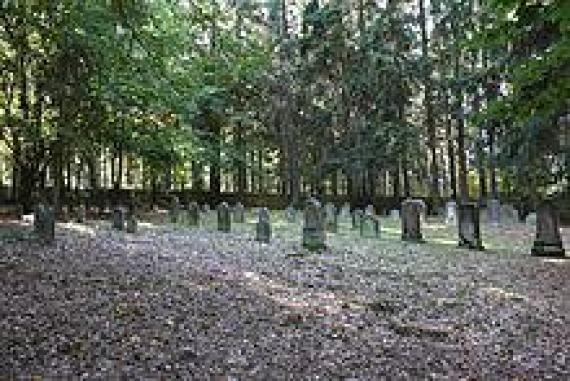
(451, 213)
(314, 226)
(345, 211)
(206, 208)
(193, 214)
(239, 213)
(64, 214)
(331, 218)
(118, 219)
(356, 217)
(132, 224)
(423, 209)
(224, 218)
(291, 214)
(44, 223)
(369, 225)
(411, 224)
(469, 226)
(547, 241)
(174, 212)
(531, 219)
(369, 211)
(80, 214)
(395, 214)
(493, 211)
(263, 227)
(508, 214)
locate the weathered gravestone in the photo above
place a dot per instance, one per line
(44, 223)
(80, 214)
(547, 241)
(224, 218)
(331, 218)
(469, 226)
(369, 210)
(451, 213)
(369, 225)
(345, 211)
(411, 224)
(395, 214)
(356, 217)
(423, 209)
(291, 214)
(493, 211)
(118, 219)
(239, 213)
(509, 214)
(531, 219)
(314, 226)
(263, 227)
(132, 224)
(193, 214)
(174, 211)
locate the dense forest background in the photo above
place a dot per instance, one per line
(359, 100)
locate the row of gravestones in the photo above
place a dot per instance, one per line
(317, 220)
(548, 241)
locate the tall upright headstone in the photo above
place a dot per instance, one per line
(451, 213)
(118, 219)
(132, 223)
(44, 223)
(469, 226)
(314, 236)
(493, 211)
(331, 218)
(193, 214)
(345, 211)
(369, 210)
(547, 241)
(239, 213)
(411, 224)
(263, 227)
(80, 214)
(357, 215)
(174, 212)
(224, 218)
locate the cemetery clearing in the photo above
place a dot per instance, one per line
(175, 300)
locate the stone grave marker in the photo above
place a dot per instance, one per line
(263, 227)
(469, 226)
(174, 211)
(531, 219)
(193, 214)
(80, 214)
(132, 224)
(118, 219)
(369, 210)
(451, 213)
(369, 225)
(411, 224)
(331, 218)
(547, 241)
(291, 214)
(44, 223)
(395, 214)
(356, 217)
(314, 226)
(224, 218)
(493, 211)
(239, 213)
(345, 211)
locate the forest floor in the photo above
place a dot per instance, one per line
(172, 301)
